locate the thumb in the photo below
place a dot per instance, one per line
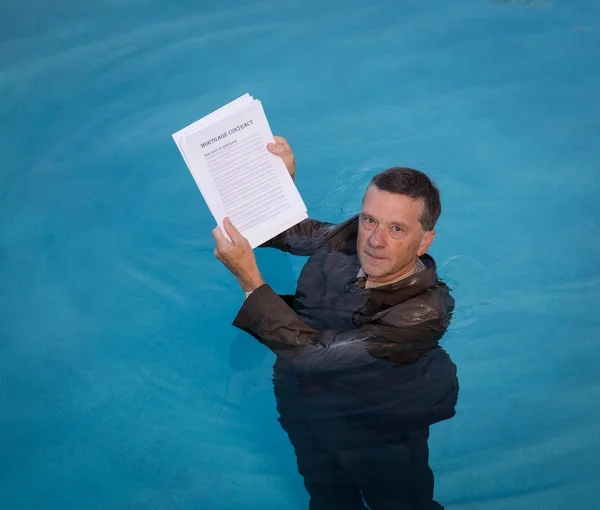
(219, 237)
(275, 149)
(232, 232)
(280, 140)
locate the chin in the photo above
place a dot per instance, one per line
(374, 271)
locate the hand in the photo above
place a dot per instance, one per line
(237, 256)
(282, 149)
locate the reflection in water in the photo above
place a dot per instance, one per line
(363, 432)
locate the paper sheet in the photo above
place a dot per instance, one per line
(236, 174)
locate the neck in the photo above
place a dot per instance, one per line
(409, 270)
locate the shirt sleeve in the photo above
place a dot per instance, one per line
(267, 317)
(304, 238)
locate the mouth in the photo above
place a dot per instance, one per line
(374, 258)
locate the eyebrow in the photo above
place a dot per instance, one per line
(400, 224)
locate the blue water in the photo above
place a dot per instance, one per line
(122, 383)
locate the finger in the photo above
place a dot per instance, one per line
(282, 141)
(233, 232)
(276, 149)
(220, 239)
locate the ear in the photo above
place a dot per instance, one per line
(426, 241)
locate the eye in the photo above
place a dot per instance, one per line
(368, 222)
(397, 229)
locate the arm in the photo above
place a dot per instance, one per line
(269, 319)
(307, 236)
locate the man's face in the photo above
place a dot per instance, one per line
(390, 236)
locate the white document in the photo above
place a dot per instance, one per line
(226, 152)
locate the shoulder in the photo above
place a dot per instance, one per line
(342, 232)
(432, 308)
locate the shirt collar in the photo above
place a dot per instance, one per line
(419, 266)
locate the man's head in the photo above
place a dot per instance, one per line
(396, 223)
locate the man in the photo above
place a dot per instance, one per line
(367, 301)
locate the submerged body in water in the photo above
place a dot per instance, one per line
(363, 432)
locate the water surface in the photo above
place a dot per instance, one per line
(122, 383)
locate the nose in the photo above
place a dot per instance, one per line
(377, 238)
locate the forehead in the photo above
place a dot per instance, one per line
(391, 207)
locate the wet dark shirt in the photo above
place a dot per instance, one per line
(359, 375)
(331, 323)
